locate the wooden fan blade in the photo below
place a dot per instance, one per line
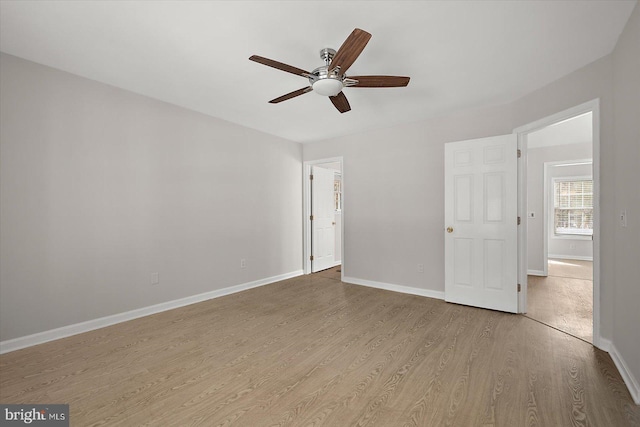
(291, 95)
(279, 65)
(340, 102)
(350, 50)
(380, 81)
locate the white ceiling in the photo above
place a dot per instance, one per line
(576, 130)
(195, 54)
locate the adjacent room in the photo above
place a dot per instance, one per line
(560, 225)
(191, 234)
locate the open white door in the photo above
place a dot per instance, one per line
(323, 223)
(481, 242)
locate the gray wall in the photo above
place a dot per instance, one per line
(536, 158)
(393, 195)
(625, 256)
(100, 188)
(395, 220)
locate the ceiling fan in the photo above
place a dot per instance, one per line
(329, 79)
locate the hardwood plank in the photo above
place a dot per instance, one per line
(315, 351)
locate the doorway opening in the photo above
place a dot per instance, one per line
(559, 245)
(323, 187)
(564, 298)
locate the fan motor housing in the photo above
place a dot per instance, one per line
(325, 80)
(325, 72)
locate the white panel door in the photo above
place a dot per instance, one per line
(481, 241)
(323, 223)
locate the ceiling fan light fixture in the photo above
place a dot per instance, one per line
(327, 87)
(329, 79)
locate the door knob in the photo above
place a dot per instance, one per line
(333, 223)
(449, 229)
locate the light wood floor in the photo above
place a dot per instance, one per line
(564, 299)
(313, 351)
(331, 273)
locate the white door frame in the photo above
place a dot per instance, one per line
(592, 106)
(306, 212)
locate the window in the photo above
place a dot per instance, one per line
(573, 206)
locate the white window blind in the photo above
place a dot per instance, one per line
(573, 206)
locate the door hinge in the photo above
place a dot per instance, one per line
(311, 258)
(311, 177)
(311, 218)
(519, 153)
(519, 220)
(519, 287)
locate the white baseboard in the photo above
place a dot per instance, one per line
(90, 325)
(625, 373)
(395, 288)
(630, 381)
(535, 273)
(602, 343)
(572, 257)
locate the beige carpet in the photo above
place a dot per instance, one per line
(571, 269)
(564, 299)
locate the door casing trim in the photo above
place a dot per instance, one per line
(592, 106)
(306, 211)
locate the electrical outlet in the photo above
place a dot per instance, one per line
(155, 278)
(243, 263)
(623, 218)
(420, 268)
